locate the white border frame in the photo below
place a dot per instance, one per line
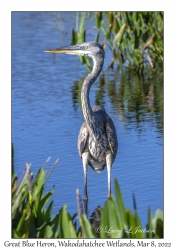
(5, 94)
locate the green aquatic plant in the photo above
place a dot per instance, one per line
(32, 213)
(134, 38)
(79, 36)
(31, 210)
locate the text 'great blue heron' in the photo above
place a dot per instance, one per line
(97, 140)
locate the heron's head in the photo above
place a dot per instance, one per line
(91, 49)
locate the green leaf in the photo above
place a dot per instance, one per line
(116, 230)
(36, 203)
(79, 233)
(81, 36)
(82, 20)
(104, 221)
(149, 224)
(136, 39)
(24, 179)
(134, 201)
(38, 182)
(24, 222)
(140, 233)
(115, 26)
(135, 60)
(158, 215)
(17, 235)
(48, 233)
(118, 36)
(87, 228)
(74, 40)
(16, 202)
(131, 224)
(104, 31)
(98, 19)
(127, 14)
(97, 37)
(32, 229)
(48, 211)
(159, 229)
(120, 203)
(134, 16)
(54, 222)
(65, 222)
(66, 225)
(72, 230)
(14, 183)
(45, 198)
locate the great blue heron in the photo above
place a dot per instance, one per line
(97, 140)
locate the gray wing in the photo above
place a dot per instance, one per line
(82, 138)
(111, 135)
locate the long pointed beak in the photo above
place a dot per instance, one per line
(67, 50)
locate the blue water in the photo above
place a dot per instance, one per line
(46, 120)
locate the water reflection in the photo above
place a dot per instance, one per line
(95, 220)
(138, 99)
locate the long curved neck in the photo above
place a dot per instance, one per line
(89, 80)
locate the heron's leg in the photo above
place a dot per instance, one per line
(109, 167)
(85, 157)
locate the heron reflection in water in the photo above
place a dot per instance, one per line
(97, 140)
